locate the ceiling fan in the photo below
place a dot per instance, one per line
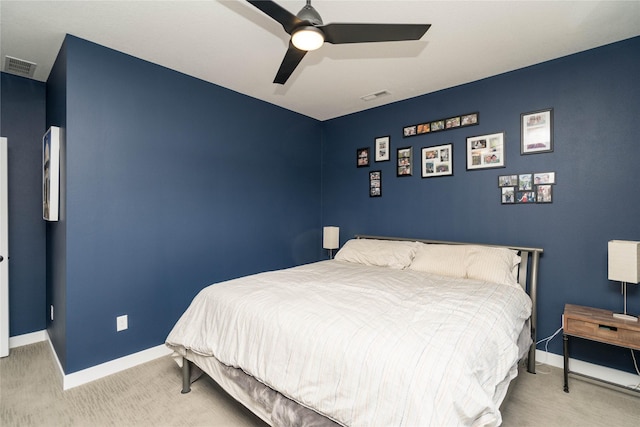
(309, 33)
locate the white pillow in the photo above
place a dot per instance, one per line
(383, 253)
(495, 265)
(444, 260)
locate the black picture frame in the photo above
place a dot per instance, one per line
(375, 183)
(524, 197)
(507, 180)
(525, 182)
(448, 123)
(486, 151)
(544, 193)
(536, 132)
(404, 162)
(362, 157)
(508, 195)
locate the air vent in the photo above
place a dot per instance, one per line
(19, 67)
(376, 95)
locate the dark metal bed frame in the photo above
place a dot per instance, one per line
(527, 278)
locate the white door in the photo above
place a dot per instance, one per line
(4, 251)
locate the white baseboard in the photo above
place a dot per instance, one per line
(111, 367)
(615, 376)
(27, 339)
(95, 372)
(108, 368)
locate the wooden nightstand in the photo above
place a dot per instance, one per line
(597, 325)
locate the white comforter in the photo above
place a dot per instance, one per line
(366, 346)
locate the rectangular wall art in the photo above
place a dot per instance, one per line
(485, 151)
(51, 174)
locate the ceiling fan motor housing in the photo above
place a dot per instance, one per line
(308, 13)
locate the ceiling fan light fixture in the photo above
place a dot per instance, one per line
(307, 38)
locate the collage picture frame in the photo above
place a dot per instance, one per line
(469, 119)
(486, 151)
(437, 160)
(405, 161)
(526, 188)
(375, 183)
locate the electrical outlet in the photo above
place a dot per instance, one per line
(122, 323)
(51, 312)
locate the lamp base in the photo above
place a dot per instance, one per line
(625, 317)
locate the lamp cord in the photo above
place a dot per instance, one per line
(635, 365)
(546, 349)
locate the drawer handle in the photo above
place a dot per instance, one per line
(610, 328)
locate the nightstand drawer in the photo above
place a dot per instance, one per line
(605, 332)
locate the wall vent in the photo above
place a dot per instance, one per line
(376, 95)
(19, 67)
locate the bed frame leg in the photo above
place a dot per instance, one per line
(186, 376)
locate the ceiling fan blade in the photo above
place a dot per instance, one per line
(288, 20)
(291, 60)
(366, 33)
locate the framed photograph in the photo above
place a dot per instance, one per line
(453, 122)
(537, 132)
(375, 184)
(485, 151)
(363, 157)
(382, 148)
(437, 161)
(525, 182)
(544, 178)
(544, 193)
(423, 128)
(437, 125)
(507, 180)
(470, 119)
(409, 131)
(508, 195)
(51, 174)
(525, 197)
(405, 161)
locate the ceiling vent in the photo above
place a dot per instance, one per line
(376, 95)
(19, 67)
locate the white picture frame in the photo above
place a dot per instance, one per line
(437, 161)
(382, 148)
(51, 174)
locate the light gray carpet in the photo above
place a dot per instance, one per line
(149, 395)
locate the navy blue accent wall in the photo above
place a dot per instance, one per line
(171, 184)
(23, 123)
(596, 100)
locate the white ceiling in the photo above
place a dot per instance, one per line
(232, 44)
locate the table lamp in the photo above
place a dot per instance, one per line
(331, 239)
(624, 267)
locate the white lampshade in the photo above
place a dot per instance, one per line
(307, 38)
(624, 261)
(331, 237)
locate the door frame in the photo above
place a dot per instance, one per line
(4, 248)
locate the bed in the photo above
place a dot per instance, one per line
(392, 332)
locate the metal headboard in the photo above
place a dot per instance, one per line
(528, 279)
